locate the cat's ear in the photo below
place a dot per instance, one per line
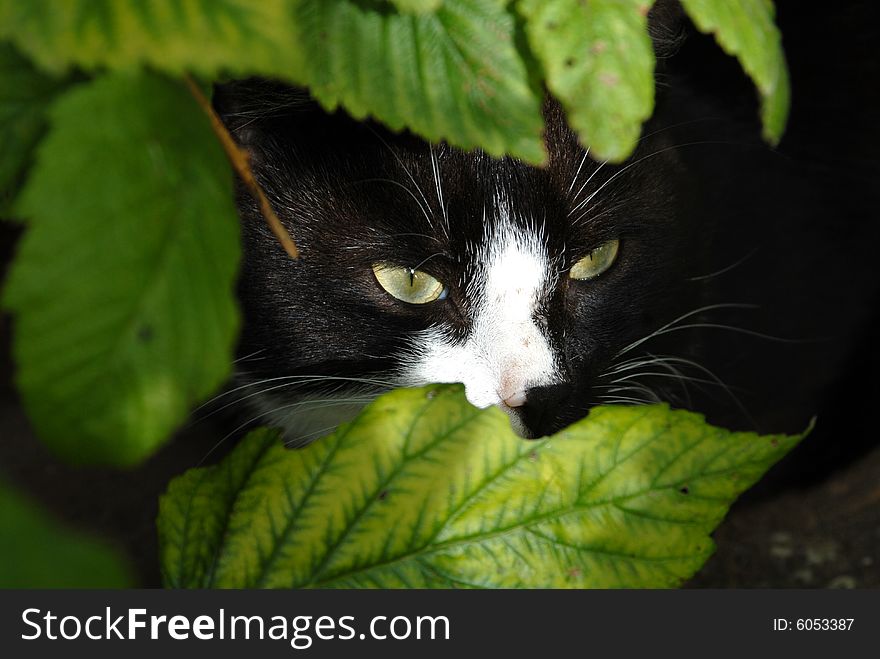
(666, 25)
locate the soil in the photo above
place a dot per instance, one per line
(823, 536)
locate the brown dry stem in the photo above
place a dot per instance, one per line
(239, 158)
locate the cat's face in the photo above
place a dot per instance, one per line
(426, 264)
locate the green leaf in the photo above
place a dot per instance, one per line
(24, 95)
(598, 61)
(447, 70)
(417, 6)
(424, 490)
(746, 30)
(37, 552)
(455, 74)
(201, 36)
(123, 284)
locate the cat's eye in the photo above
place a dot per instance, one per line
(596, 262)
(408, 285)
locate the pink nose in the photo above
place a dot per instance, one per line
(516, 399)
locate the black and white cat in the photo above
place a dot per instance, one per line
(426, 264)
(693, 273)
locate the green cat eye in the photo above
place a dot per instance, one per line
(413, 286)
(596, 262)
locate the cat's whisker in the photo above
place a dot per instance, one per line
(425, 260)
(305, 379)
(586, 217)
(727, 389)
(656, 374)
(641, 139)
(586, 183)
(637, 387)
(630, 364)
(666, 361)
(618, 399)
(627, 365)
(578, 172)
(302, 440)
(407, 171)
(622, 400)
(632, 386)
(250, 357)
(330, 402)
(718, 273)
(683, 379)
(701, 368)
(675, 125)
(289, 381)
(418, 235)
(228, 435)
(435, 166)
(734, 328)
(633, 164)
(694, 312)
(673, 372)
(286, 385)
(228, 392)
(650, 359)
(401, 185)
(299, 442)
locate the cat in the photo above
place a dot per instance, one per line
(520, 270)
(683, 275)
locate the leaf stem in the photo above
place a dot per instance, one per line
(239, 158)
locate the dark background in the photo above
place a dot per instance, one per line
(815, 521)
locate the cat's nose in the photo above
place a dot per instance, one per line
(541, 408)
(512, 388)
(515, 399)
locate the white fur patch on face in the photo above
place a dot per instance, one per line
(506, 352)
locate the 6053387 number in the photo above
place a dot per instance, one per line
(813, 624)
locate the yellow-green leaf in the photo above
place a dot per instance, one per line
(424, 490)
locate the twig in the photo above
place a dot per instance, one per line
(240, 160)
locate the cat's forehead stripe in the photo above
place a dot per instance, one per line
(515, 263)
(515, 273)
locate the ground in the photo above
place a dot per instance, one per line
(823, 536)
